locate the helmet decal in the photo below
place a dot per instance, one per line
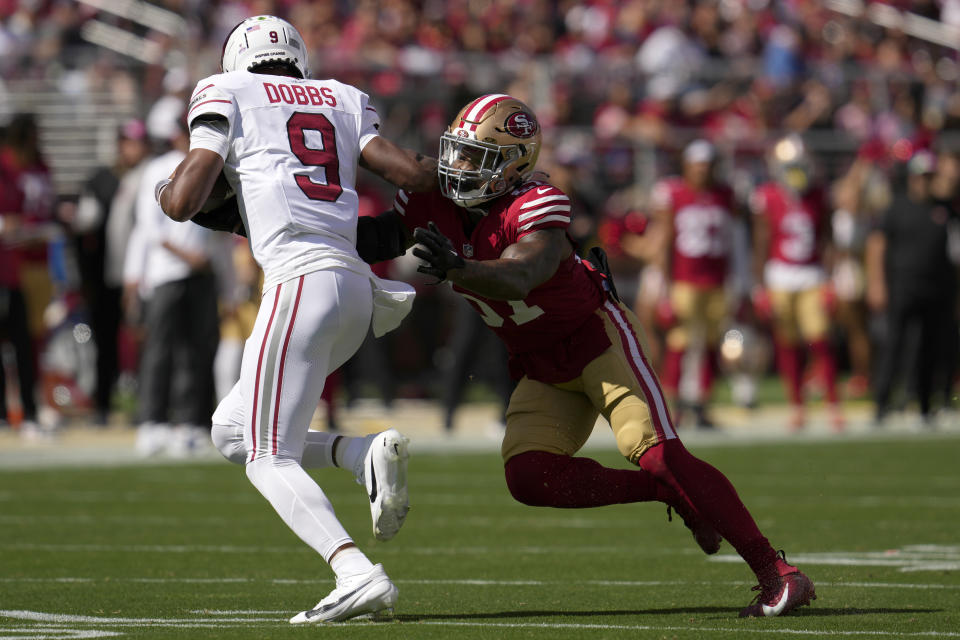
(521, 124)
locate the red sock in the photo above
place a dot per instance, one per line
(711, 364)
(828, 368)
(714, 498)
(672, 361)
(789, 364)
(542, 479)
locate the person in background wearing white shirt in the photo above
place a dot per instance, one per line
(172, 267)
(289, 147)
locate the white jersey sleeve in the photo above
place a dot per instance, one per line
(369, 122)
(210, 99)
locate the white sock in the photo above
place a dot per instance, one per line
(350, 562)
(351, 452)
(300, 502)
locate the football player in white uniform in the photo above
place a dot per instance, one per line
(289, 148)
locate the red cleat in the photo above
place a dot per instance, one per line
(798, 418)
(790, 590)
(706, 536)
(837, 421)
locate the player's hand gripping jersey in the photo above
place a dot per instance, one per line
(554, 332)
(295, 144)
(702, 222)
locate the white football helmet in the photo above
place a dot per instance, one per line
(491, 146)
(262, 40)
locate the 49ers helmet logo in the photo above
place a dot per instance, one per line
(521, 124)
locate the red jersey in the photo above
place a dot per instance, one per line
(35, 197)
(554, 332)
(796, 223)
(11, 203)
(702, 224)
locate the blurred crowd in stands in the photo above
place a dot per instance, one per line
(621, 88)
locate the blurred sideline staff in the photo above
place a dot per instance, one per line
(101, 224)
(912, 279)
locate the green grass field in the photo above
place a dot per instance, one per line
(192, 551)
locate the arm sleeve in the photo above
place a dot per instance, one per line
(369, 122)
(211, 133)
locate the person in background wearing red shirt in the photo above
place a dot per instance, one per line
(693, 218)
(20, 195)
(791, 234)
(498, 234)
(30, 175)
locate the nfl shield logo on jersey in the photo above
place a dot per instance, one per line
(467, 250)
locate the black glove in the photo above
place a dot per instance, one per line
(437, 251)
(381, 237)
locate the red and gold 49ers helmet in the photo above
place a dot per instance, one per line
(790, 163)
(490, 147)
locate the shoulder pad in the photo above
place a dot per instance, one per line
(540, 205)
(208, 98)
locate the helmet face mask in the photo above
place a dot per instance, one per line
(263, 40)
(790, 164)
(491, 146)
(471, 171)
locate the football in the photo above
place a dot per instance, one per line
(221, 192)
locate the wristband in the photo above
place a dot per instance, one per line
(157, 190)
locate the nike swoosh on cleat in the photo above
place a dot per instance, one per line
(313, 613)
(778, 608)
(373, 482)
(543, 190)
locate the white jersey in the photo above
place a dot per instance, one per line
(291, 155)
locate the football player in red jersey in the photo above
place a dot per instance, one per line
(499, 236)
(694, 216)
(790, 235)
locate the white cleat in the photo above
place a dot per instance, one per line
(368, 594)
(385, 477)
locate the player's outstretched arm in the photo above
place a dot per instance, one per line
(521, 268)
(406, 169)
(190, 185)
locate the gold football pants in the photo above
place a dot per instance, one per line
(619, 384)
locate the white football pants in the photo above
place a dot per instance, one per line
(306, 328)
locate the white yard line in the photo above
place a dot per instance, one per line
(63, 618)
(909, 559)
(470, 582)
(53, 633)
(643, 627)
(218, 623)
(187, 548)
